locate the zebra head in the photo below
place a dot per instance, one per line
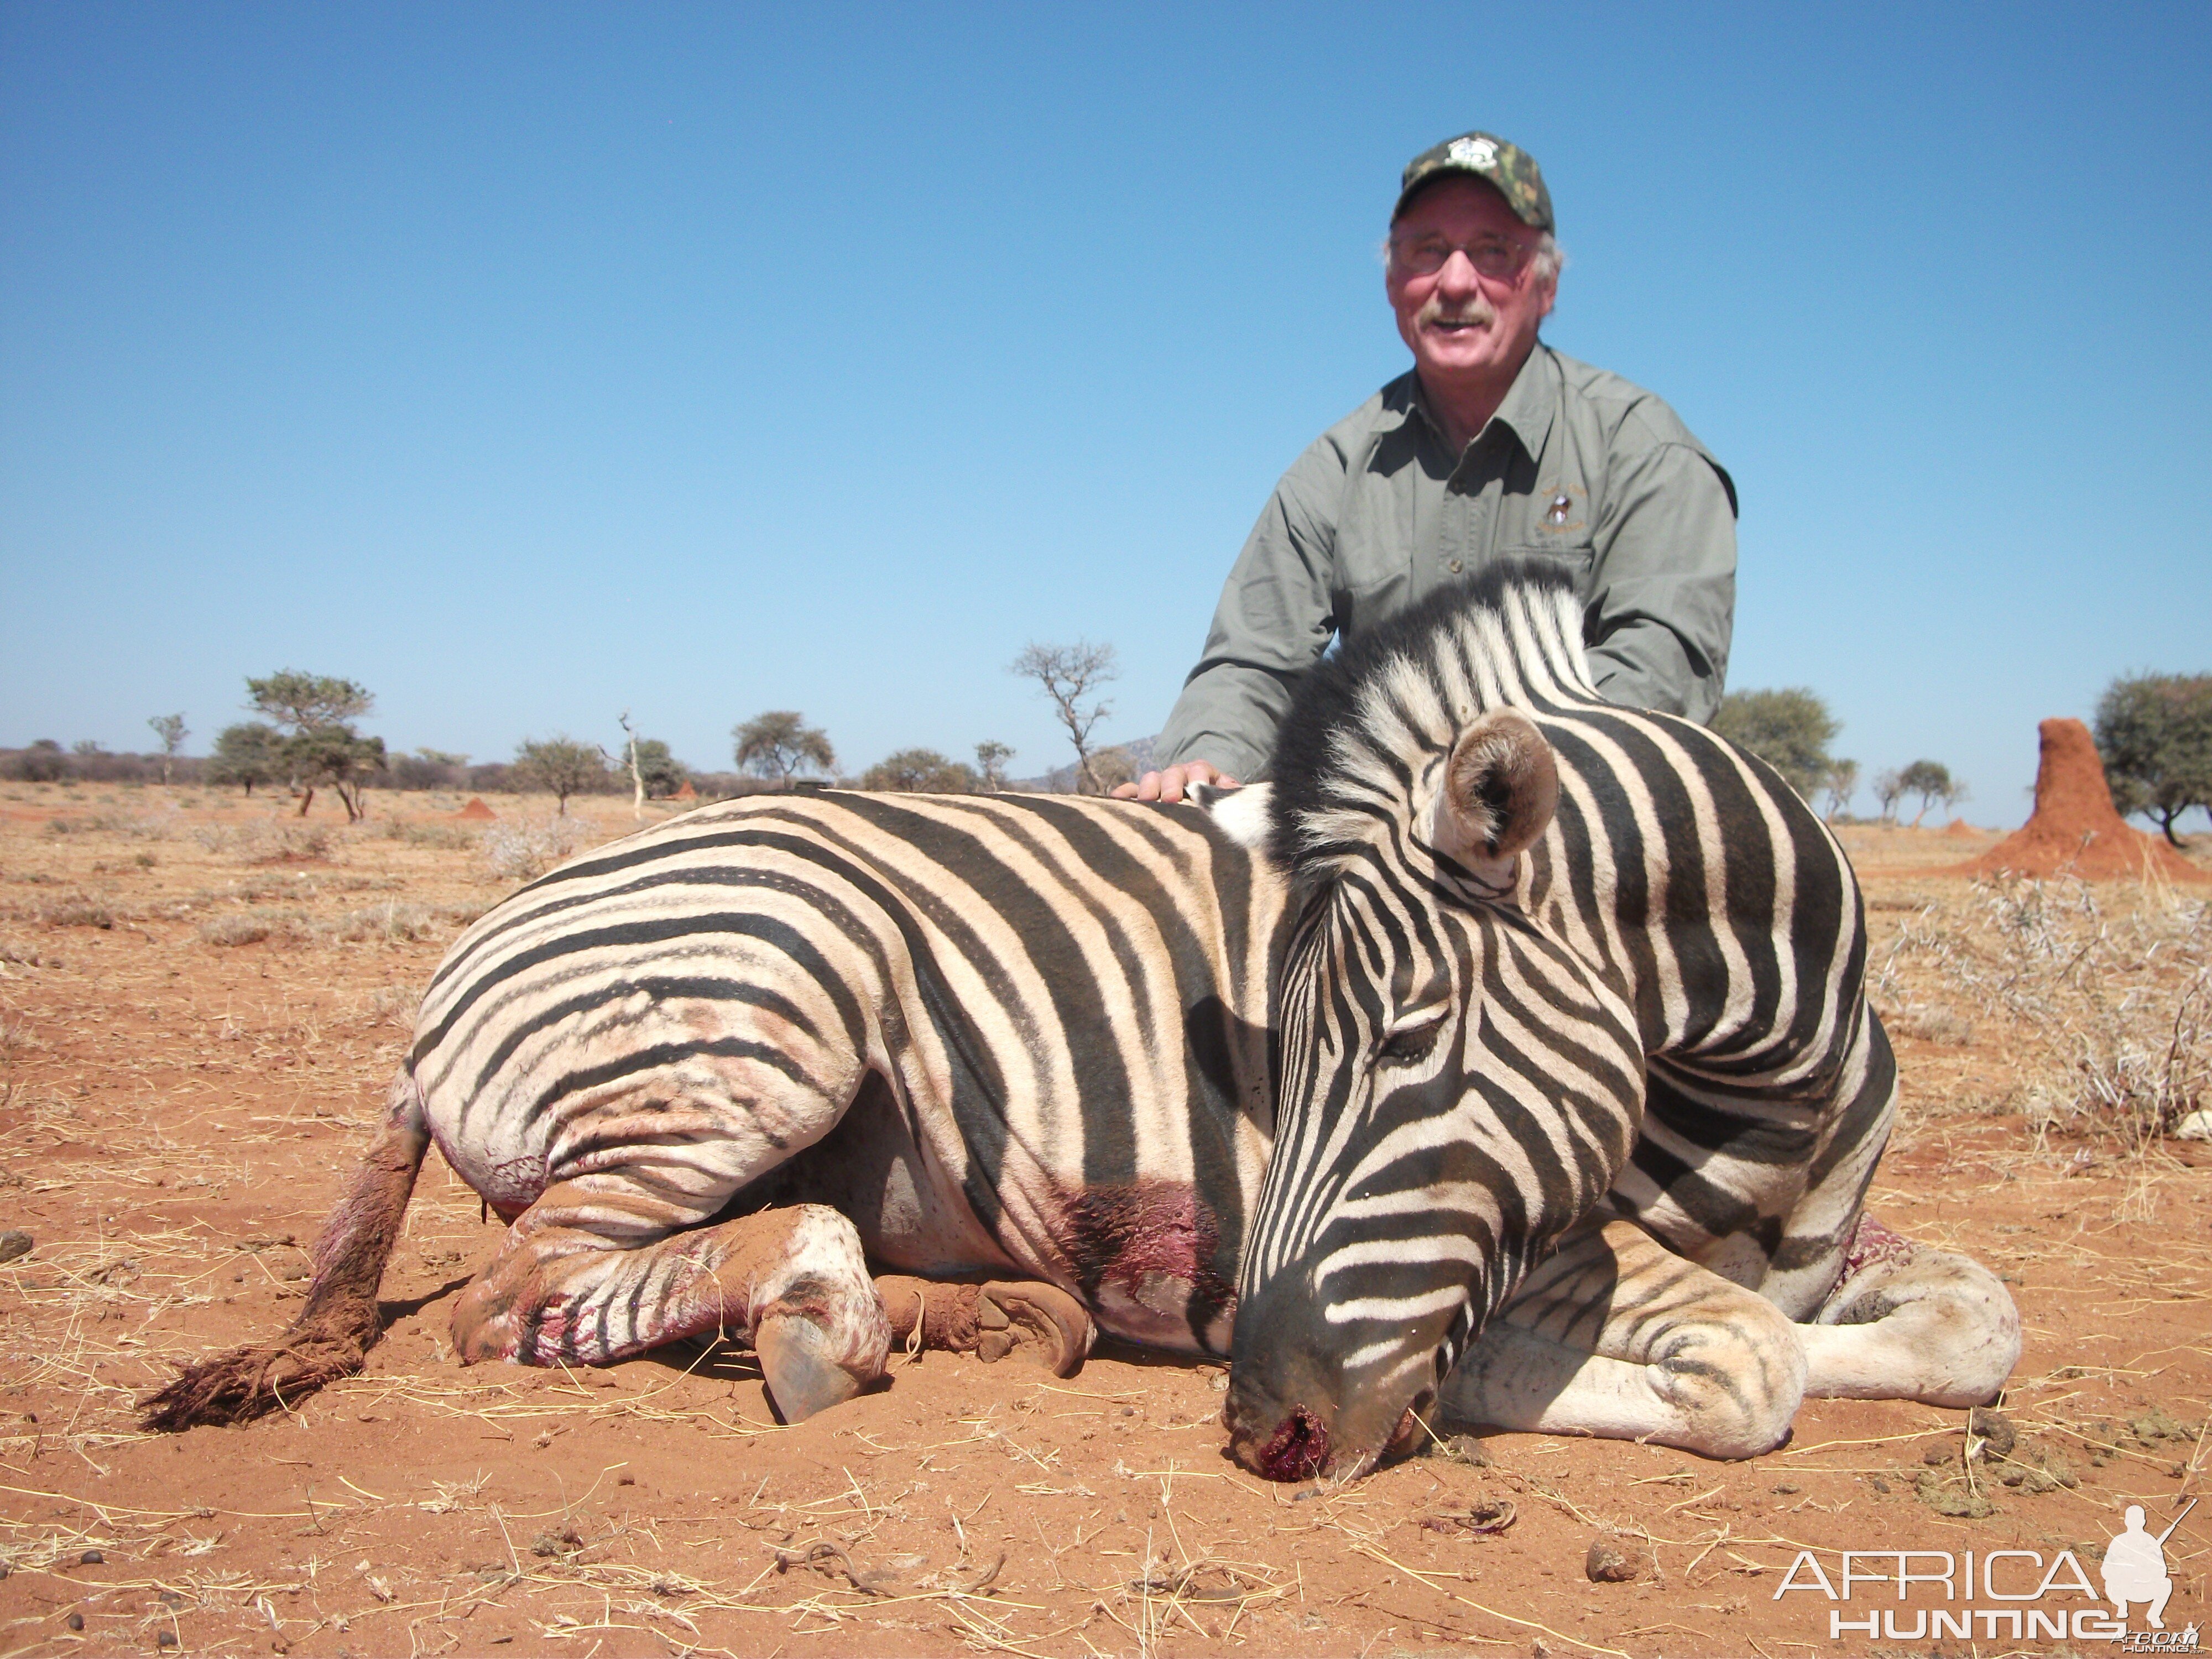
(1455, 1087)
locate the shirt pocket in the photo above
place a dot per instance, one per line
(1575, 556)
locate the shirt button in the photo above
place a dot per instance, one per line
(1453, 565)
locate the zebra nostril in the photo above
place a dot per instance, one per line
(1299, 1449)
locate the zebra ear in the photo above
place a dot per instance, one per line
(1500, 787)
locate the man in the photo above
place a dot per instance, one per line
(1493, 445)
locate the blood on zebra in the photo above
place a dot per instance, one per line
(1148, 1254)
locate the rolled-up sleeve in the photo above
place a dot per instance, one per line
(1275, 619)
(1663, 595)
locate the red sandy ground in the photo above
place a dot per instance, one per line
(175, 1117)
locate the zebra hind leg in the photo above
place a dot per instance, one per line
(1908, 1321)
(591, 1273)
(989, 1321)
(1615, 1335)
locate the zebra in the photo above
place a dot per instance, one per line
(1506, 1059)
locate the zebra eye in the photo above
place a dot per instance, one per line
(1410, 1042)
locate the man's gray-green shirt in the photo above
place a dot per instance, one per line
(1577, 464)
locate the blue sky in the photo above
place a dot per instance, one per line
(532, 364)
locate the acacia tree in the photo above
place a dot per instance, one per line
(779, 744)
(2154, 733)
(1071, 675)
(561, 765)
(317, 712)
(920, 770)
(1841, 783)
(334, 755)
(1887, 786)
(250, 752)
(1932, 782)
(1790, 729)
(663, 773)
(991, 758)
(172, 731)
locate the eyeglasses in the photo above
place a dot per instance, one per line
(1490, 256)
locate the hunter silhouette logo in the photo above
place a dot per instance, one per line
(2134, 1567)
(2022, 1598)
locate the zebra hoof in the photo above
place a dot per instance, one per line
(800, 1366)
(1039, 1313)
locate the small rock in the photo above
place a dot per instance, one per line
(13, 1244)
(1607, 1562)
(170, 1599)
(1466, 1449)
(1882, 1486)
(625, 1479)
(1936, 1455)
(1788, 1488)
(2194, 1126)
(1994, 1428)
(165, 1638)
(74, 1621)
(993, 1347)
(91, 1558)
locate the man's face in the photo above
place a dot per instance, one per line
(1460, 325)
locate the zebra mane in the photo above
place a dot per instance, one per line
(1367, 719)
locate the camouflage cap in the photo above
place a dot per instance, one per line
(1507, 166)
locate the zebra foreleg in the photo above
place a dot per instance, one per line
(1907, 1321)
(584, 1279)
(1615, 1335)
(989, 1321)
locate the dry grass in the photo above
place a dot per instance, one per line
(2101, 995)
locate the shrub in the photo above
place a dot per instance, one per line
(920, 771)
(42, 763)
(452, 837)
(525, 852)
(79, 911)
(251, 926)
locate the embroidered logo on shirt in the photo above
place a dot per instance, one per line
(1557, 513)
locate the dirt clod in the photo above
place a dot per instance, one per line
(1611, 1562)
(13, 1243)
(1994, 1430)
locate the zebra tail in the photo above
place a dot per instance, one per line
(339, 1322)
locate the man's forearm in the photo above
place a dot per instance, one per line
(1229, 713)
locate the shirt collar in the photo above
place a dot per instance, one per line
(1532, 403)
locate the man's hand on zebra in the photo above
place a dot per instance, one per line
(1169, 783)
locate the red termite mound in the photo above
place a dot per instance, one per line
(686, 794)
(475, 810)
(2074, 829)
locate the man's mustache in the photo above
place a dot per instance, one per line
(1479, 311)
